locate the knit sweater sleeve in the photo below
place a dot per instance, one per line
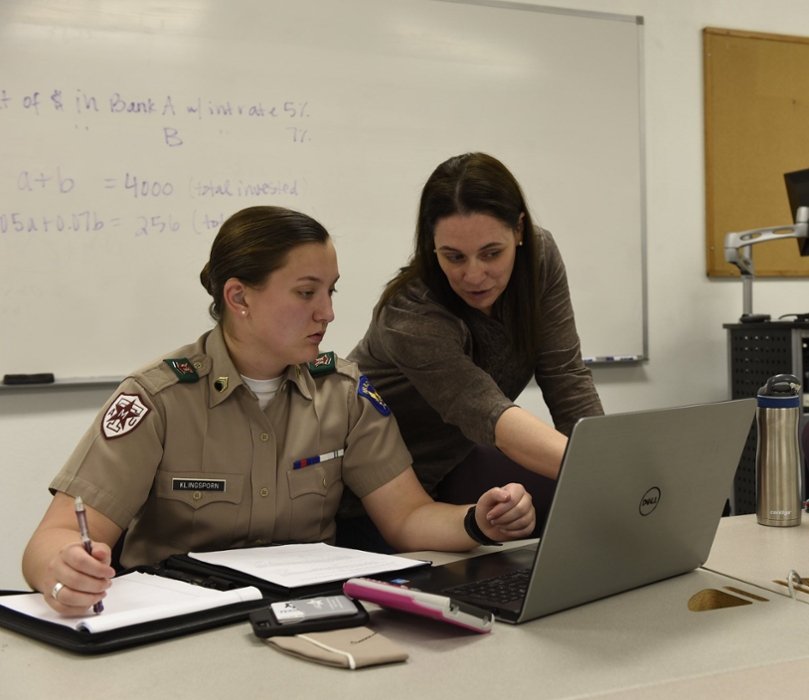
(433, 349)
(566, 383)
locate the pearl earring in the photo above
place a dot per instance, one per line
(244, 313)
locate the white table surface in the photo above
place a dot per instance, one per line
(643, 643)
(761, 554)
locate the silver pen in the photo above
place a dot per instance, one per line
(84, 532)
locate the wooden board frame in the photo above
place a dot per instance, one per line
(756, 129)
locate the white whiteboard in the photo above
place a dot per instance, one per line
(131, 130)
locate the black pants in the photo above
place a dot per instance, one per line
(484, 468)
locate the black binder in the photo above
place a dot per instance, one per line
(178, 566)
(123, 637)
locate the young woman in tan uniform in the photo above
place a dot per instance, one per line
(247, 436)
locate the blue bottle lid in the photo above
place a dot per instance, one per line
(779, 401)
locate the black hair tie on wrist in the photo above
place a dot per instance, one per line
(473, 529)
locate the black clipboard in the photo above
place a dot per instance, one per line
(196, 569)
(190, 566)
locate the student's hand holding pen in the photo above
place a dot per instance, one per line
(80, 579)
(71, 570)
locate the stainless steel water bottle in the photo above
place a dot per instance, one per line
(778, 452)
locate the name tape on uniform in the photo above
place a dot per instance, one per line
(198, 484)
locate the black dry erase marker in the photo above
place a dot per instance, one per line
(23, 379)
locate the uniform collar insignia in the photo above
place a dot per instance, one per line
(300, 379)
(219, 367)
(221, 384)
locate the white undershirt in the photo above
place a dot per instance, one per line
(264, 389)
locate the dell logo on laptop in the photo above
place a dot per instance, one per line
(649, 501)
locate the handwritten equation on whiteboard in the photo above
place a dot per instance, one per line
(23, 221)
(164, 107)
(152, 203)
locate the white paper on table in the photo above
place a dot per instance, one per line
(132, 599)
(295, 565)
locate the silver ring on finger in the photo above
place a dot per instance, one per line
(55, 592)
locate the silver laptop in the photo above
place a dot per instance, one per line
(638, 500)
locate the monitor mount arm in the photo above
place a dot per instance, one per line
(739, 250)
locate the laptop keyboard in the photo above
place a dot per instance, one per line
(498, 590)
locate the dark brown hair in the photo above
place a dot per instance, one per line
(476, 183)
(253, 243)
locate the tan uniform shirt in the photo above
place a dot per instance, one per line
(194, 466)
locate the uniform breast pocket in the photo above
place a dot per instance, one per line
(195, 502)
(314, 493)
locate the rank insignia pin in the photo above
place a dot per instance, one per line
(324, 364)
(183, 368)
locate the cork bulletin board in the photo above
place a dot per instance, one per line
(756, 129)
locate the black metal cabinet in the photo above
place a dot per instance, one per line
(757, 351)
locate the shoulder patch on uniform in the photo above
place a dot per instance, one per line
(123, 415)
(324, 364)
(365, 389)
(183, 368)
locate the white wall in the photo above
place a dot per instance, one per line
(687, 343)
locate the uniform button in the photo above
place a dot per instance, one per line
(264, 492)
(325, 484)
(264, 437)
(198, 365)
(197, 495)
